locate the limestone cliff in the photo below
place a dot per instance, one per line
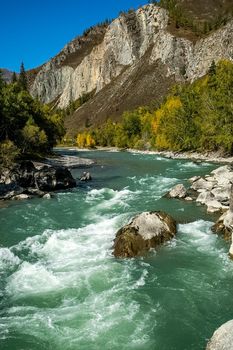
(126, 63)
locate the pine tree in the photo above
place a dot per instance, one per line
(212, 69)
(23, 78)
(14, 78)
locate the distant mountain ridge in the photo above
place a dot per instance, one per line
(6, 74)
(133, 60)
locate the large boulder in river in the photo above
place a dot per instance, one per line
(54, 178)
(222, 338)
(145, 231)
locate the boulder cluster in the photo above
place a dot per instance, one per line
(25, 180)
(212, 190)
(216, 192)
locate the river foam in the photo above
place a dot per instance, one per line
(96, 292)
(62, 288)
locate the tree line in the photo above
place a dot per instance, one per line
(197, 116)
(184, 20)
(27, 128)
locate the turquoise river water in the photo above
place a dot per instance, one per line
(61, 288)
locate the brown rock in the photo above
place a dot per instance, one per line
(145, 231)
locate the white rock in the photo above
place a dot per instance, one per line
(231, 248)
(223, 175)
(222, 194)
(120, 50)
(21, 197)
(205, 197)
(222, 338)
(179, 191)
(47, 196)
(214, 206)
(149, 224)
(188, 199)
(202, 184)
(194, 178)
(211, 179)
(228, 220)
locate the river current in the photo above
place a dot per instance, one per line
(62, 289)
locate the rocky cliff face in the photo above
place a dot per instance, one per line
(127, 63)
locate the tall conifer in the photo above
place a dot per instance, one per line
(23, 78)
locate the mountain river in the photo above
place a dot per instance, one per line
(62, 289)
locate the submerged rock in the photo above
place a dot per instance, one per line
(145, 231)
(222, 338)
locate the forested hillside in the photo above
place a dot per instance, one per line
(200, 17)
(197, 116)
(27, 128)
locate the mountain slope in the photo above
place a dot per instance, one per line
(6, 74)
(129, 62)
(206, 10)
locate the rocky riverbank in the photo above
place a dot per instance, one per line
(26, 179)
(215, 191)
(212, 190)
(69, 161)
(213, 157)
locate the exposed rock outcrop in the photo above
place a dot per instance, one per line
(222, 338)
(52, 179)
(145, 231)
(135, 55)
(214, 190)
(24, 180)
(179, 191)
(69, 161)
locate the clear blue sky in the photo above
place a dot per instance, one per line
(33, 31)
